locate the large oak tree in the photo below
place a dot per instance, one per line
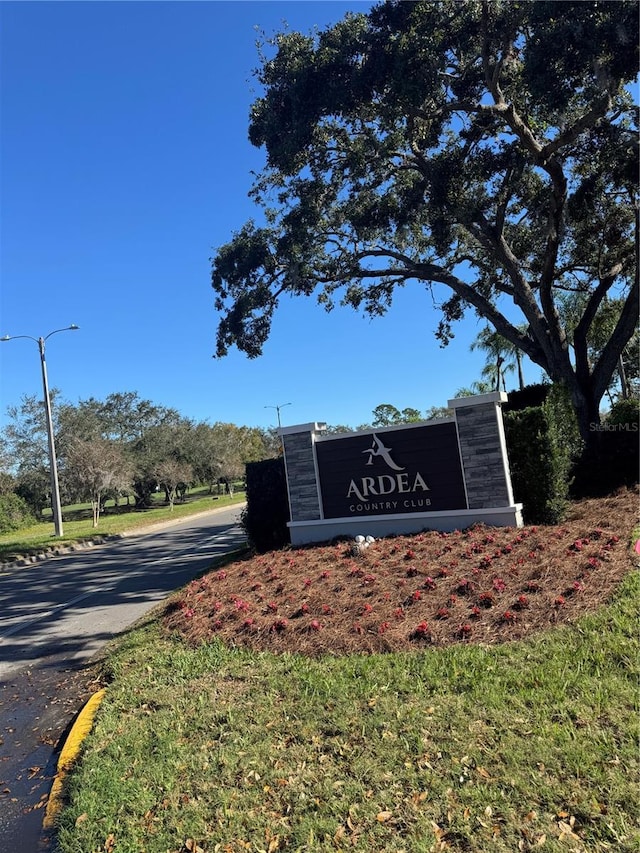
(484, 150)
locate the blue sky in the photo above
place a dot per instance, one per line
(125, 163)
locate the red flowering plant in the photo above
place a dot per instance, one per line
(421, 632)
(486, 599)
(258, 599)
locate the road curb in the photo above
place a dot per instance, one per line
(69, 754)
(58, 551)
(87, 544)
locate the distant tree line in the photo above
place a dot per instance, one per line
(123, 449)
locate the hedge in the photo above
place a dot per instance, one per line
(542, 443)
(266, 514)
(614, 460)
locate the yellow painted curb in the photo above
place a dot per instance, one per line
(69, 754)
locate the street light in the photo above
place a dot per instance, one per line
(55, 487)
(277, 408)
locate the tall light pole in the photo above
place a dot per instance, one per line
(277, 408)
(53, 464)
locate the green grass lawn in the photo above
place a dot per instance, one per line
(78, 524)
(527, 746)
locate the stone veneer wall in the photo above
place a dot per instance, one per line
(304, 500)
(483, 451)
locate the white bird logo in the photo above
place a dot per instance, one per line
(378, 449)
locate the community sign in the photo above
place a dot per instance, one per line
(416, 469)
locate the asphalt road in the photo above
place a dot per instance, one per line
(55, 617)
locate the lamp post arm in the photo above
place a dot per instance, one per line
(17, 338)
(71, 328)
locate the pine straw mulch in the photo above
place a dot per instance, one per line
(481, 585)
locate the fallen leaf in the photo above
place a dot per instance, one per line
(384, 816)
(437, 830)
(566, 830)
(352, 814)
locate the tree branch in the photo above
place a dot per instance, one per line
(570, 134)
(625, 327)
(433, 273)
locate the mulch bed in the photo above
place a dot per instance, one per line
(482, 585)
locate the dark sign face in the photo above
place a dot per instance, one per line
(414, 469)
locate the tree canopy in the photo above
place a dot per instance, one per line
(487, 151)
(386, 414)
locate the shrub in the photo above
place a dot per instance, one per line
(34, 487)
(531, 395)
(266, 514)
(625, 413)
(14, 513)
(614, 461)
(542, 442)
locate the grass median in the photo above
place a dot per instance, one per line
(78, 526)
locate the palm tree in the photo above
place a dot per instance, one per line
(500, 354)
